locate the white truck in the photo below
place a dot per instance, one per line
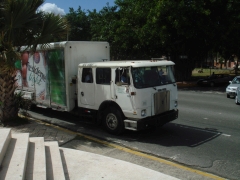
(119, 95)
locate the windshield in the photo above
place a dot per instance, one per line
(144, 77)
(236, 80)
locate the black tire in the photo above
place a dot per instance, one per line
(113, 121)
(236, 101)
(33, 107)
(228, 96)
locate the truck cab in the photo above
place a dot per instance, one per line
(130, 94)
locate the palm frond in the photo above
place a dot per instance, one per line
(23, 25)
(53, 27)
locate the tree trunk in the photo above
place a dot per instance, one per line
(8, 108)
(236, 67)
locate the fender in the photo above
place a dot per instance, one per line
(104, 105)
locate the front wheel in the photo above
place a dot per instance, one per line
(113, 121)
(236, 100)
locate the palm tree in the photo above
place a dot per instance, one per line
(21, 24)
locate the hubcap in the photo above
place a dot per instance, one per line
(111, 121)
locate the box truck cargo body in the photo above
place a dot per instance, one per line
(47, 76)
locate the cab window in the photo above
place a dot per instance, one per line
(87, 76)
(103, 76)
(122, 75)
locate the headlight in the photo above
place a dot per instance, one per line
(176, 104)
(231, 89)
(143, 112)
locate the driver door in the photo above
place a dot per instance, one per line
(123, 90)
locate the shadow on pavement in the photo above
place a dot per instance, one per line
(171, 134)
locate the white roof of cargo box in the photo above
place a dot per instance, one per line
(56, 45)
(128, 63)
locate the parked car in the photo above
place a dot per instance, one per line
(215, 79)
(232, 87)
(237, 97)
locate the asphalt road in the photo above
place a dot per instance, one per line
(206, 137)
(212, 122)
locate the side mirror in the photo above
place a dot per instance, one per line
(230, 82)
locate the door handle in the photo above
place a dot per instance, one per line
(82, 93)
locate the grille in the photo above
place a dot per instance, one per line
(161, 102)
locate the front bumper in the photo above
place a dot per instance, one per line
(231, 92)
(153, 121)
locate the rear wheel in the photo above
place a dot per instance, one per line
(228, 96)
(113, 121)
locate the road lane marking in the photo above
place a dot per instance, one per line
(226, 135)
(132, 151)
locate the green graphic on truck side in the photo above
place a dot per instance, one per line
(56, 75)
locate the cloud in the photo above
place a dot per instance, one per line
(52, 8)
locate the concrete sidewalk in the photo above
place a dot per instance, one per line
(80, 164)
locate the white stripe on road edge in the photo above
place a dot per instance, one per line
(209, 92)
(226, 135)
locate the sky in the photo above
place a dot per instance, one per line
(62, 6)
